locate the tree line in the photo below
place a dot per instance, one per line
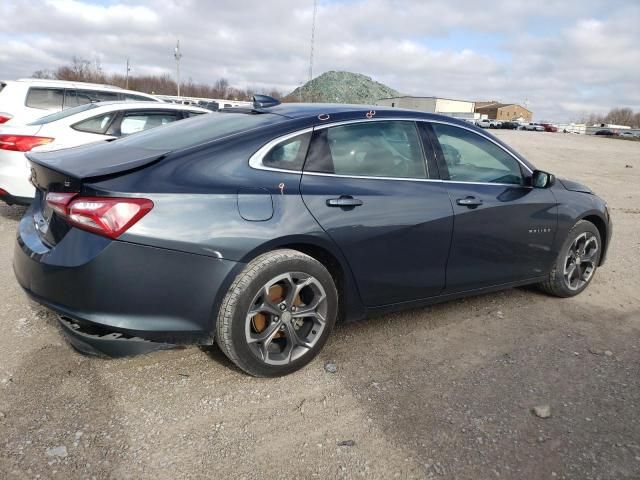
(616, 116)
(82, 70)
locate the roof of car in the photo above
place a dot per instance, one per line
(153, 105)
(45, 82)
(347, 111)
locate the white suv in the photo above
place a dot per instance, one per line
(27, 99)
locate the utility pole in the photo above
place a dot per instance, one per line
(313, 39)
(178, 56)
(127, 74)
(313, 35)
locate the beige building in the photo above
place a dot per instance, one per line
(504, 111)
(430, 104)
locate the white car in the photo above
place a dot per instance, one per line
(88, 123)
(27, 99)
(484, 123)
(535, 127)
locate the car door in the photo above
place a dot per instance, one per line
(370, 187)
(503, 227)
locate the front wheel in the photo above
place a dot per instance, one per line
(277, 314)
(576, 263)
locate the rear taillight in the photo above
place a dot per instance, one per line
(106, 216)
(4, 118)
(22, 143)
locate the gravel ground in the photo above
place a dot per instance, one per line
(444, 392)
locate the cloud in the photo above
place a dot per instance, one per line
(563, 58)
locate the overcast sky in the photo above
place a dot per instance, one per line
(563, 58)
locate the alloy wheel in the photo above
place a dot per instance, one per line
(581, 260)
(286, 318)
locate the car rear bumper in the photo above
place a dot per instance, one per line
(14, 179)
(111, 287)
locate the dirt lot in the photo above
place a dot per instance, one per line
(441, 392)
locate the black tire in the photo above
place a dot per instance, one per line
(233, 318)
(557, 284)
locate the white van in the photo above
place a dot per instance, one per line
(27, 99)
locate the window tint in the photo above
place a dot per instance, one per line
(472, 158)
(289, 154)
(137, 122)
(97, 124)
(375, 149)
(45, 98)
(63, 114)
(99, 95)
(189, 114)
(2, 85)
(136, 98)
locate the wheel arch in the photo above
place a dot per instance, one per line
(601, 224)
(324, 251)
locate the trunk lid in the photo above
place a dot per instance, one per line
(69, 170)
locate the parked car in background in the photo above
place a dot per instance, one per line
(27, 99)
(495, 124)
(484, 123)
(549, 127)
(606, 133)
(532, 126)
(256, 229)
(92, 122)
(510, 125)
(628, 134)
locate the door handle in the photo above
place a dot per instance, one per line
(344, 201)
(470, 202)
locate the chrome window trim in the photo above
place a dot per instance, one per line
(255, 161)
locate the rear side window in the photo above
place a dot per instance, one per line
(189, 114)
(137, 122)
(288, 154)
(470, 157)
(45, 98)
(372, 149)
(98, 124)
(2, 85)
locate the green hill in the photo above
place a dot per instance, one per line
(341, 87)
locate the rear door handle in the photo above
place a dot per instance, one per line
(471, 202)
(344, 201)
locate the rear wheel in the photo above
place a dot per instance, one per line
(576, 263)
(277, 314)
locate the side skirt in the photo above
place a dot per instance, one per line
(395, 307)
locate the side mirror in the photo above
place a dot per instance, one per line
(541, 179)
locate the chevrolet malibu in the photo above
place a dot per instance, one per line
(259, 228)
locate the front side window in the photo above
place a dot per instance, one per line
(372, 149)
(137, 122)
(470, 157)
(288, 154)
(97, 124)
(45, 98)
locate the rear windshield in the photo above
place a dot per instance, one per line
(198, 130)
(64, 113)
